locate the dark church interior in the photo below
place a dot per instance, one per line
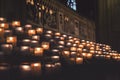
(104, 13)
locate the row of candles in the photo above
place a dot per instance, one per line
(37, 41)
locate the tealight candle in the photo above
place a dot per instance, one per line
(11, 39)
(45, 45)
(39, 30)
(16, 23)
(4, 25)
(7, 48)
(79, 60)
(38, 51)
(31, 32)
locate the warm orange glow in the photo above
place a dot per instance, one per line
(36, 37)
(79, 60)
(24, 48)
(73, 49)
(89, 56)
(66, 53)
(31, 32)
(56, 58)
(57, 34)
(1, 32)
(11, 39)
(39, 30)
(2, 19)
(36, 67)
(25, 67)
(38, 51)
(61, 42)
(16, 23)
(19, 29)
(4, 25)
(79, 49)
(45, 45)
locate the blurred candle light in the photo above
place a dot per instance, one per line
(25, 67)
(4, 25)
(7, 48)
(11, 39)
(31, 32)
(55, 58)
(28, 26)
(36, 67)
(2, 19)
(45, 45)
(66, 53)
(16, 23)
(89, 56)
(36, 37)
(26, 41)
(39, 30)
(19, 30)
(38, 51)
(79, 60)
(73, 49)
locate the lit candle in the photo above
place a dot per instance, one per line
(36, 37)
(89, 56)
(39, 30)
(72, 60)
(7, 48)
(25, 67)
(36, 67)
(19, 30)
(73, 49)
(73, 54)
(79, 50)
(31, 32)
(55, 58)
(57, 34)
(4, 25)
(45, 45)
(34, 43)
(26, 41)
(61, 42)
(11, 39)
(2, 19)
(79, 60)
(25, 49)
(66, 53)
(38, 51)
(16, 23)
(28, 26)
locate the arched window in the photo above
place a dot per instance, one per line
(72, 4)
